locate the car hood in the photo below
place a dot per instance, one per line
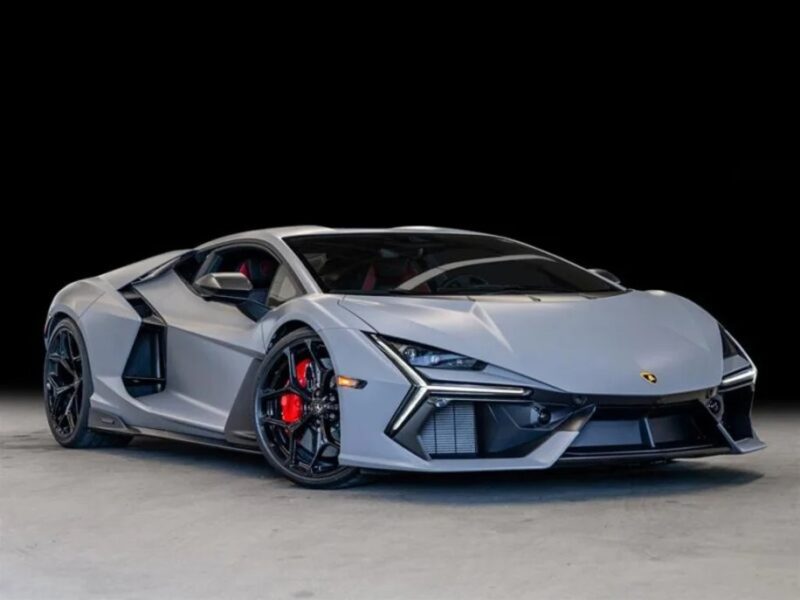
(575, 343)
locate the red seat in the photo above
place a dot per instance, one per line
(258, 271)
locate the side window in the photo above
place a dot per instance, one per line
(259, 266)
(188, 267)
(283, 288)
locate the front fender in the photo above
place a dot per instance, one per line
(74, 300)
(321, 312)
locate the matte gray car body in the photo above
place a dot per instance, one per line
(570, 346)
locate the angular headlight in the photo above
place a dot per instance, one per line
(425, 357)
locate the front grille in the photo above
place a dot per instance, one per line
(625, 429)
(450, 431)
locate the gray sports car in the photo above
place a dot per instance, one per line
(416, 348)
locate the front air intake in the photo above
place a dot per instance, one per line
(450, 431)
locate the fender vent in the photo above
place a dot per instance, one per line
(450, 432)
(145, 371)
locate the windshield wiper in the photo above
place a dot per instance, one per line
(501, 289)
(380, 293)
(486, 290)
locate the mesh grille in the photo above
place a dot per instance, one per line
(450, 431)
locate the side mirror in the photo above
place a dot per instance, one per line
(607, 275)
(230, 286)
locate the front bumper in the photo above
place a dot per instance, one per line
(581, 430)
(464, 430)
(685, 426)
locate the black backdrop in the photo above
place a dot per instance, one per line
(694, 228)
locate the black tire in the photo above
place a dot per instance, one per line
(308, 467)
(67, 389)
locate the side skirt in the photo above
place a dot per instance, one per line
(107, 423)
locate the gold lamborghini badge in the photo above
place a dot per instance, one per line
(648, 376)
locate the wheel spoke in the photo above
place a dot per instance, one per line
(319, 449)
(63, 344)
(289, 389)
(292, 368)
(76, 407)
(71, 421)
(66, 413)
(58, 389)
(58, 407)
(273, 421)
(302, 392)
(292, 460)
(67, 367)
(329, 439)
(272, 393)
(300, 426)
(72, 348)
(317, 360)
(68, 407)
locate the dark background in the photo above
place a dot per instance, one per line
(119, 156)
(716, 233)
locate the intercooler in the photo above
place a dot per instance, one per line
(450, 431)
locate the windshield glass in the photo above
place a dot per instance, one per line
(437, 264)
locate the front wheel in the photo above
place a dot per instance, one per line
(297, 413)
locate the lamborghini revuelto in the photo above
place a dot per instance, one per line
(335, 352)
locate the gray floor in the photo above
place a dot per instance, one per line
(163, 520)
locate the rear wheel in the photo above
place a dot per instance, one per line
(67, 388)
(297, 413)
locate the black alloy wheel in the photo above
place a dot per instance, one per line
(297, 413)
(64, 383)
(67, 388)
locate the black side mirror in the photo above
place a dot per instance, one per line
(225, 286)
(607, 275)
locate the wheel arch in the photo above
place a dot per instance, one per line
(71, 302)
(239, 427)
(318, 312)
(285, 328)
(54, 319)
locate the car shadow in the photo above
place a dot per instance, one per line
(554, 485)
(560, 485)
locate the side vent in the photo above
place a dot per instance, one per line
(145, 371)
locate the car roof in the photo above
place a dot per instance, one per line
(279, 233)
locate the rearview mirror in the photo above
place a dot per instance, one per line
(607, 275)
(226, 285)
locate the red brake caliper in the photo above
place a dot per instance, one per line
(292, 404)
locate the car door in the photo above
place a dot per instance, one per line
(211, 343)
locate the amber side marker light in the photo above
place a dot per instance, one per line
(350, 382)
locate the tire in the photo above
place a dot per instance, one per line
(304, 450)
(67, 389)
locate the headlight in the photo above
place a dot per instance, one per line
(426, 357)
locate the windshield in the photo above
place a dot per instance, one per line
(437, 264)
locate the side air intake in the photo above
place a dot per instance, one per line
(145, 370)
